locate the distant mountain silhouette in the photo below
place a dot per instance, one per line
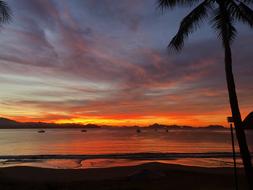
(8, 122)
(185, 127)
(160, 126)
(11, 124)
(214, 127)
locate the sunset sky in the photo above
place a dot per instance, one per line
(105, 62)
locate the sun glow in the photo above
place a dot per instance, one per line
(143, 121)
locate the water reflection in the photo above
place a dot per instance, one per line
(104, 141)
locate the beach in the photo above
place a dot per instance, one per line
(153, 176)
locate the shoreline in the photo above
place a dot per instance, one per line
(66, 161)
(144, 155)
(145, 176)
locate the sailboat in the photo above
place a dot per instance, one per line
(83, 130)
(41, 131)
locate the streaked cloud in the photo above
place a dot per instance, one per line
(106, 61)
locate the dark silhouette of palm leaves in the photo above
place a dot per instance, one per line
(5, 12)
(223, 13)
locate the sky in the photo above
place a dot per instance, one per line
(106, 62)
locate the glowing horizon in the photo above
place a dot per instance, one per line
(143, 121)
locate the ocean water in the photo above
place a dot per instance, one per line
(204, 148)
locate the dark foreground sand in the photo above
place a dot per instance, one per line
(152, 176)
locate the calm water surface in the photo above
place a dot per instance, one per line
(113, 141)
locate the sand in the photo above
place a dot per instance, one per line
(151, 176)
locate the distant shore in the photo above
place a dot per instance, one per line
(146, 156)
(152, 176)
(6, 123)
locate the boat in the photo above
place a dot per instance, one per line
(83, 130)
(41, 131)
(138, 130)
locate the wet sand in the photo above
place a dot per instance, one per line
(153, 176)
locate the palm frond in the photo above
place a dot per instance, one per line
(189, 24)
(5, 12)
(225, 12)
(173, 3)
(240, 12)
(223, 23)
(247, 14)
(247, 1)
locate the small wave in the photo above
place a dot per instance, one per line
(136, 156)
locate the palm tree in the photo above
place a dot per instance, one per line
(224, 14)
(5, 12)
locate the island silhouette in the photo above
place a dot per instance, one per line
(6, 123)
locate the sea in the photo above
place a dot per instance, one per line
(112, 147)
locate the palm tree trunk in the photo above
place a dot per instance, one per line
(240, 133)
